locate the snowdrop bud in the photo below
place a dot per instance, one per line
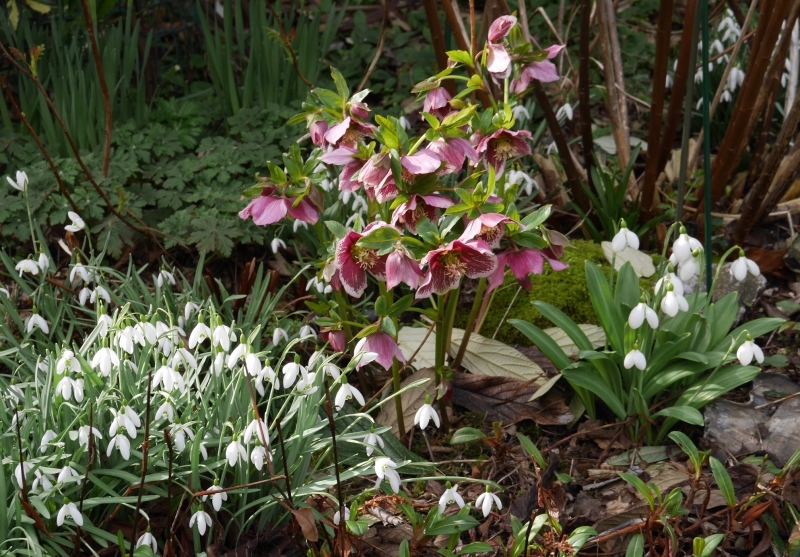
(565, 111)
(624, 238)
(748, 350)
(21, 182)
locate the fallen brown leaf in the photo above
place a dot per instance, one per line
(770, 262)
(305, 519)
(503, 399)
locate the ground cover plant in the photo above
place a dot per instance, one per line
(234, 321)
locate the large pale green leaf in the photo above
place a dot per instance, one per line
(595, 334)
(543, 342)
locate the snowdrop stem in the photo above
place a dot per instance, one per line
(667, 239)
(30, 220)
(171, 457)
(285, 462)
(332, 424)
(398, 403)
(428, 443)
(76, 549)
(145, 454)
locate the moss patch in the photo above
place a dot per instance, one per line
(565, 290)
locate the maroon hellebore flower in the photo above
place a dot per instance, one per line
(376, 176)
(268, 209)
(545, 71)
(447, 264)
(354, 261)
(345, 156)
(503, 145)
(317, 132)
(498, 60)
(453, 151)
(437, 102)
(337, 340)
(384, 346)
(400, 267)
(490, 228)
(417, 208)
(522, 263)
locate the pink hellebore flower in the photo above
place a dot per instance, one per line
(384, 346)
(417, 208)
(453, 151)
(354, 261)
(447, 264)
(347, 157)
(421, 162)
(523, 263)
(545, 71)
(317, 132)
(490, 228)
(402, 268)
(437, 102)
(347, 132)
(376, 176)
(503, 145)
(498, 60)
(269, 208)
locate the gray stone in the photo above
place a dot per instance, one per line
(748, 289)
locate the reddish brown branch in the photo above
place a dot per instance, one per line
(287, 43)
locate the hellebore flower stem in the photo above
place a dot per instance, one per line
(344, 311)
(416, 146)
(398, 404)
(473, 315)
(329, 413)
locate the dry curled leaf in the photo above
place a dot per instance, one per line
(305, 519)
(412, 400)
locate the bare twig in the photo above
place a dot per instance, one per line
(287, 43)
(612, 60)
(437, 38)
(583, 91)
(379, 48)
(103, 86)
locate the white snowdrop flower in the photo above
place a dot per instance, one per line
(68, 362)
(21, 470)
(124, 418)
(372, 440)
(169, 379)
(347, 392)
(147, 539)
(565, 111)
(163, 277)
(48, 436)
(166, 410)
(668, 81)
(202, 520)
(122, 444)
(677, 284)
(68, 387)
(180, 432)
(363, 358)
(105, 360)
(735, 78)
(337, 517)
(41, 483)
(125, 339)
(266, 373)
(66, 473)
(742, 266)
(145, 333)
(635, 358)
(682, 247)
(406, 125)
(552, 148)
(100, 292)
(332, 371)
(726, 96)
(44, 262)
(691, 266)
(167, 338)
(327, 185)
(486, 500)
(360, 204)
(279, 335)
(183, 357)
(27, 266)
(84, 295)
(69, 510)
(673, 302)
(748, 350)
(235, 452)
(307, 332)
(82, 435)
(189, 309)
(258, 456)
(221, 336)
(523, 179)
(5, 291)
(624, 238)
(291, 372)
(79, 272)
(344, 197)
(716, 47)
(21, 182)
(306, 386)
(277, 244)
(449, 497)
(16, 394)
(103, 324)
(218, 364)
(259, 429)
(76, 222)
(351, 221)
(218, 497)
(298, 224)
(520, 113)
(641, 312)
(200, 333)
(385, 468)
(425, 414)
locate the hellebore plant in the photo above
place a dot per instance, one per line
(666, 353)
(434, 208)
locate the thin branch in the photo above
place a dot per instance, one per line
(287, 44)
(583, 90)
(379, 48)
(103, 86)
